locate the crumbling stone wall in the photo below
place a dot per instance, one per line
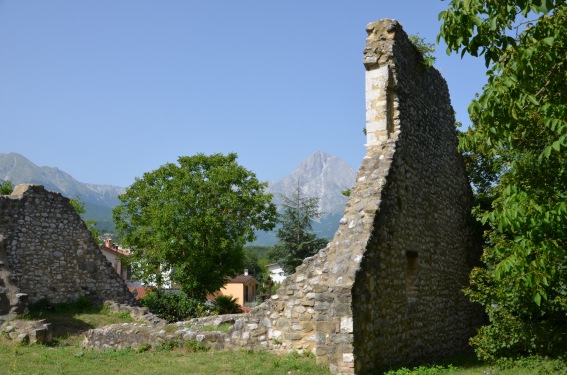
(50, 252)
(408, 303)
(387, 291)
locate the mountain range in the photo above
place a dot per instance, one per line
(320, 175)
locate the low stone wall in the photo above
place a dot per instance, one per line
(28, 331)
(137, 313)
(153, 331)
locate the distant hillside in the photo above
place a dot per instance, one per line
(98, 199)
(19, 170)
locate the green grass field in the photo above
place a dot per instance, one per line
(65, 356)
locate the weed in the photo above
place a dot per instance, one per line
(196, 346)
(170, 328)
(422, 370)
(124, 315)
(425, 49)
(143, 348)
(167, 346)
(308, 354)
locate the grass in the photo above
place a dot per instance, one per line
(65, 355)
(221, 328)
(471, 366)
(73, 360)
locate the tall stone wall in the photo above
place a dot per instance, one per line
(408, 303)
(49, 251)
(387, 290)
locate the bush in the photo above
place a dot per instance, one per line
(226, 305)
(172, 307)
(519, 327)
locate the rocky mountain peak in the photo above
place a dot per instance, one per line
(321, 176)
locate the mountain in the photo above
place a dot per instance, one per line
(321, 176)
(19, 170)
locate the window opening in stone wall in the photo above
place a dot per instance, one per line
(411, 276)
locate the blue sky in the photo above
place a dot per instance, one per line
(109, 89)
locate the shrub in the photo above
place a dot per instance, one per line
(518, 327)
(167, 346)
(172, 307)
(226, 305)
(196, 346)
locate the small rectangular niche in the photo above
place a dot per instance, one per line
(411, 276)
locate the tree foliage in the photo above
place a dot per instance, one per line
(79, 207)
(296, 241)
(516, 154)
(426, 50)
(193, 218)
(6, 187)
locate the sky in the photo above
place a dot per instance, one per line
(107, 90)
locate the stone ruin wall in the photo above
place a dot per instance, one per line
(408, 303)
(50, 253)
(387, 290)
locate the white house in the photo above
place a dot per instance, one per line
(115, 255)
(277, 274)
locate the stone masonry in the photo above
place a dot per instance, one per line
(49, 252)
(387, 290)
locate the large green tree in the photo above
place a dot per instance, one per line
(516, 153)
(296, 239)
(193, 218)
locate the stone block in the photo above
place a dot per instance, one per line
(293, 336)
(325, 327)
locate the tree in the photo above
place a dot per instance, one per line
(79, 207)
(516, 156)
(193, 218)
(6, 187)
(296, 241)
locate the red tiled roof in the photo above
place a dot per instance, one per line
(242, 279)
(140, 291)
(114, 251)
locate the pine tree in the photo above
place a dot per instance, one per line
(296, 239)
